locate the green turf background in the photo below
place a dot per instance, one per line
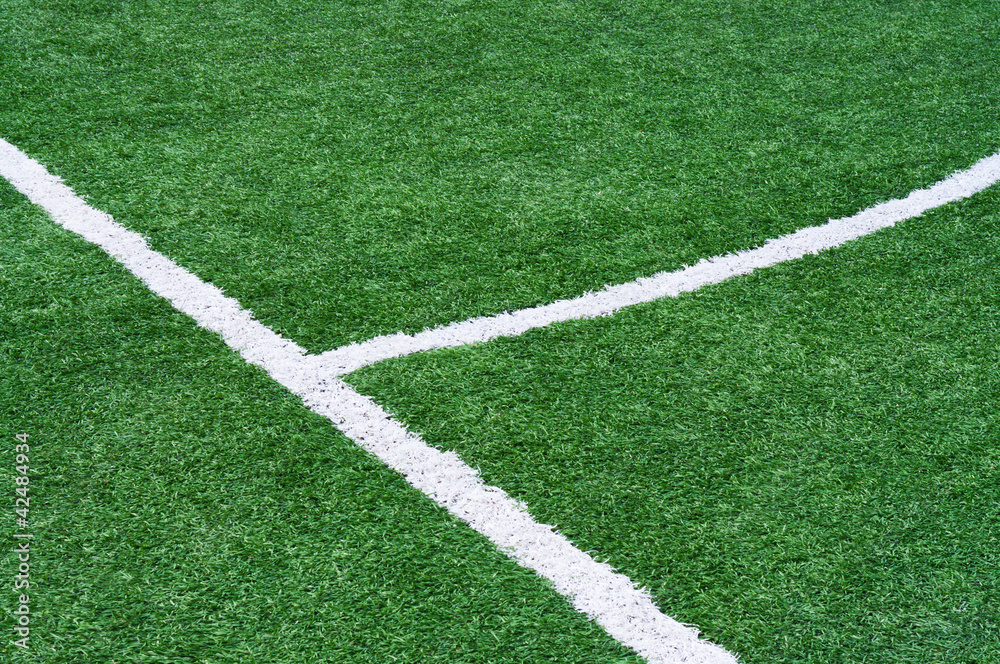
(185, 509)
(805, 462)
(812, 451)
(352, 169)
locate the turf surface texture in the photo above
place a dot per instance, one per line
(802, 462)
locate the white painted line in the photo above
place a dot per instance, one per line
(612, 600)
(811, 240)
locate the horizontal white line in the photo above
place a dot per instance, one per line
(612, 600)
(834, 233)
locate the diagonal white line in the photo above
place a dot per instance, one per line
(612, 600)
(811, 240)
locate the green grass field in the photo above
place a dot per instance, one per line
(804, 462)
(352, 170)
(187, 509)
(801, 462)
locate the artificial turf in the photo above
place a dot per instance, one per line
(187, 509)
(804, 461)
(352, 169)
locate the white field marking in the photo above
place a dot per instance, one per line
(835, 232)
(610, 599)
